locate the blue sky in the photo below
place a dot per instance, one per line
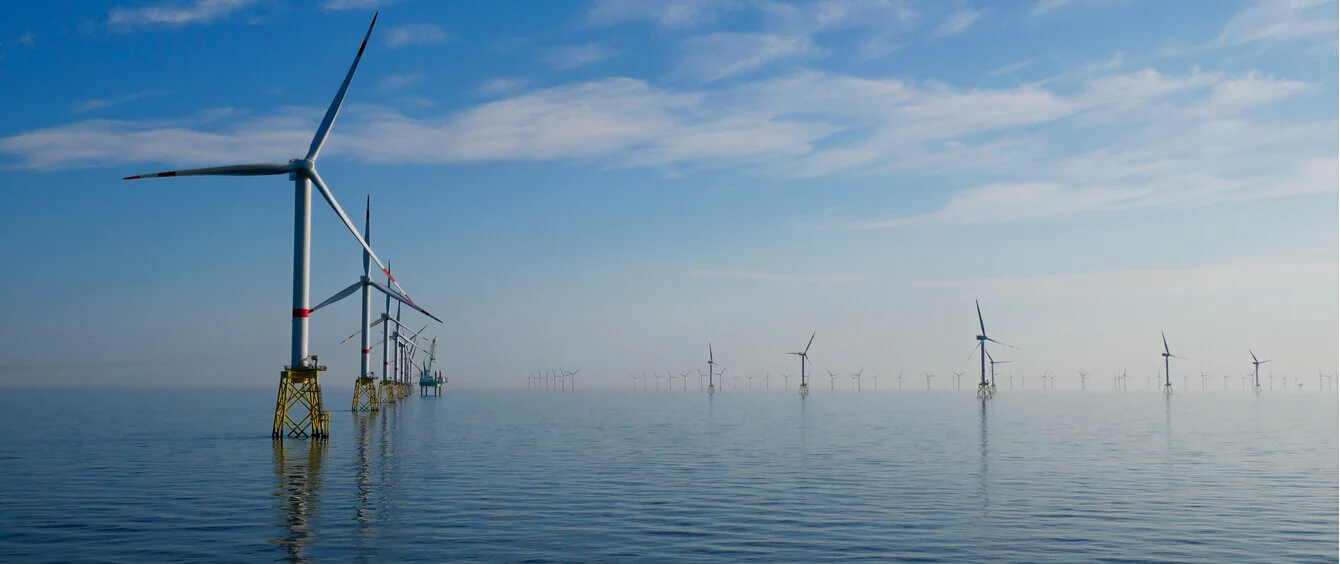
(611, 184)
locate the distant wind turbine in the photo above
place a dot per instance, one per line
(1256, 370)
(928, 381)
(804, 357)
(984, 390)
(711, 366)
(857, 378)
(832, 379)
(1083, 380)
(874, 378)
(1167, 366)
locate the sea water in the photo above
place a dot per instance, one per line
(620, 476)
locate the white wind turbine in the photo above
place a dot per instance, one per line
(804, 356)
(928, 381)
(857, 378)
(304, 175)
(832, 380)
(366, 284)
(1256, 371)
(1167, 356)
(875, 379)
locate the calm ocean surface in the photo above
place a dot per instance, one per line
(155, 475)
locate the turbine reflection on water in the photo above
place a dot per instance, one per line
(297, 494)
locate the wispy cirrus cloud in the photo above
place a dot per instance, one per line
(573, 56)
(399, 81)
(416, 34)
(501, 85)
(768, 276)
(103, 103)
(175, 14)
(663, 13)
(355, 4)
(1167, 139)
(716, 56)
(958, 22)
(1281, 20)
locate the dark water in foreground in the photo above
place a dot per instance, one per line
(153, 475)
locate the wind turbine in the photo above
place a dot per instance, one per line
(786, 380)
(857, 378)
(685, 378)
(1226, 379)
(900, 381)
(875, 378)
(751, 382)
(1083, 380)
(297, 381)
(363, 386)
(984, 390)
(1256, 371)
(804, 356)
(832, 378)
(1168, 356)
(958, 378)
(767, 382)
(928, 381)
(711, 364)
(572, 376)
(1203, 378)
(1043, 377)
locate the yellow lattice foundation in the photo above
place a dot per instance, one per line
(365, 395)
(299, 412)
(985, 391)
(386, 391)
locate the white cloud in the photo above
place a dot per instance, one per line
(1045, 6)
(416, 34)
(501, 85)
(663, 13)
(103, 103)
(716, 56)
(1281, 20)
(399, 81)
(1180, 140)
(176, 14)
(355, 4)
(23, 41)
(574, 56)
(957, 23)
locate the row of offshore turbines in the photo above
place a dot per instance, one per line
(986, 386)
(299, 407)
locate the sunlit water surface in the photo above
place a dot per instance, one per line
(152, 475)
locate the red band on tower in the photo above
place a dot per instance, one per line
(301, 313)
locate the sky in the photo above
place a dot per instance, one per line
(610, 185)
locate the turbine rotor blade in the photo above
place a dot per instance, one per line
(259, 169)
(807, 347)
(339, 295)
(979, 317)
(1001, 344)
(396, 296)
(324, 130)
(334, 205)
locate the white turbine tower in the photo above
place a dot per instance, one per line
(857, 378)
(1167, 356)
(1256, 370)
(804, 356)
(984, 389)
(711, 364)
(299, 381)
(365, 393)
